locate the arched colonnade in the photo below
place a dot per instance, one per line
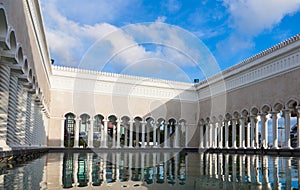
(250, 129)
(115, 132)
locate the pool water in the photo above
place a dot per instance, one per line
(153, 170)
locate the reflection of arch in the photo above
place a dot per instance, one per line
(69, 130)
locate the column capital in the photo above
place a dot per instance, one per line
(274, 112)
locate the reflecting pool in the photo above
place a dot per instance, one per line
(149, 170)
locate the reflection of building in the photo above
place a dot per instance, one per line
(46, 105)
(155, 171)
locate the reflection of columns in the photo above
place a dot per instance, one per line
(142, 166)
(275, 172)
(234, 168)
(76, 133)
(118, 133)
(287, 120)
(226, 163)
(233, 133)
(226, 133)
(165, 136)
(75, 162)
(130, 166)
(89, 162)
(288, 174)
(200, 135)
(131, 134)
(275, 129)
(143, 134)
(105, 134)
(298, 124)
(118, 166)
(176, 145)
(264, 134)
(153, 124)
(104, 166)
(91, 134)
(242, 133)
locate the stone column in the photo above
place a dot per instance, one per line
(287, 123)
(253, 130)
(62, 136)
(207, 135)
(11, 113)
(226, 133)
(143, 134)
(131, 134)
(200, 136)
(186, 135)
(91, 134)
(148, 135)
(4, 96)
(176, 145)
(114, 136)
(21, 113)
(242, 133)
(233, 133)
(165, 136)
(214, 134)
(105, 134)
(137, 135)
(248, 134)
(220, 134)
(298, 124)
(275, 129)
(154, 133)
(126, 135)
(118, 133)
(76, 133)
(264, 133)
(210, 135)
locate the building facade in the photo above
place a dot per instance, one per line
(53, 106)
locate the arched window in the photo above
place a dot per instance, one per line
(69, 130)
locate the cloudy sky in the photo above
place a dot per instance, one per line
(169, 39)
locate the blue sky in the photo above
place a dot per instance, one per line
(171, 39)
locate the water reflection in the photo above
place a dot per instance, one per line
(148, 170)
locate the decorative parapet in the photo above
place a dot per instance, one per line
(67, 78)
(281, 58)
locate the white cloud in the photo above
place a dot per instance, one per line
(251, 17)
(73, 44)
(172, 5)
(161, 19)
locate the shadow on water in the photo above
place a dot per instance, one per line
(149, 170)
